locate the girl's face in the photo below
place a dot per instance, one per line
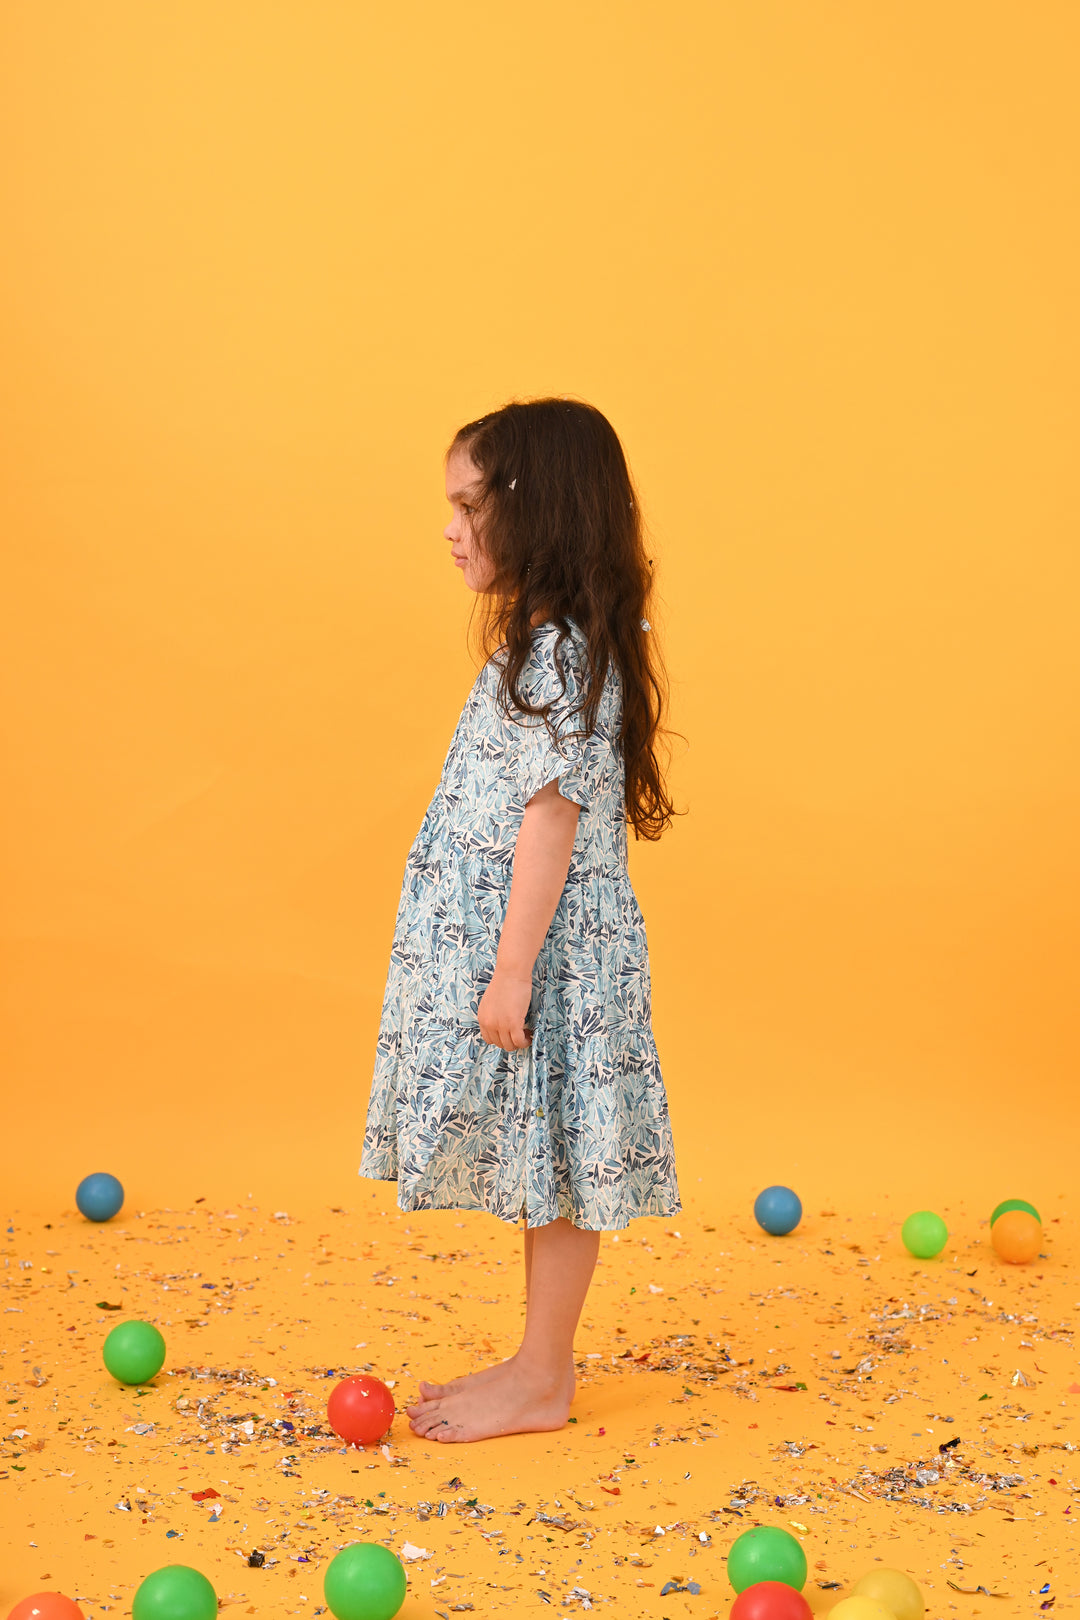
(462, 483)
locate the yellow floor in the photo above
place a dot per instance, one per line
(682, 1433)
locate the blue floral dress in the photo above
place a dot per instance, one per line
(576, 1123)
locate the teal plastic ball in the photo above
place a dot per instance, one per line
(766, 1553)
(778, 1210)
(175, 1592)
(924, 1234)
(99, 1196)
(364, 1582)
(134, 1352)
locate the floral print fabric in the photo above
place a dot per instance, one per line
(576, 1123)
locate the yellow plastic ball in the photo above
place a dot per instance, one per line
(860, 1608)
(896, 1590)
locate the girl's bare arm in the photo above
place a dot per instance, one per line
(545, 843)
(542, 853)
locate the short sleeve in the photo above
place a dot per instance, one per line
(533, 757)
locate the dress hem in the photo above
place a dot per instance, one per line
(414, 1206)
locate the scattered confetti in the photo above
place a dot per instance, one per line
(883, 1449)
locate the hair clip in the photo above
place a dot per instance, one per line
(645, 625)
(511, 484)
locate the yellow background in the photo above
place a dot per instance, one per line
(817, 264)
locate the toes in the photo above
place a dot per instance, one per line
(430, 1421)
(453, 1386)
(430, 1392)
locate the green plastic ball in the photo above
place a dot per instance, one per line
(175, 1592)
(924, 1234)
(1015, 1203)
(134, 1353)
(765, 1553)
(364, 1582)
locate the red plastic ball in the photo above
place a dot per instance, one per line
(770, 1600)
(46, 1606)
(360, 1409)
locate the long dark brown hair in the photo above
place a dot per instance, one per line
(557, 514)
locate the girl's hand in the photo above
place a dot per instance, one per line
(502, 1010)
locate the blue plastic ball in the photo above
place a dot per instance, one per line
(777, 1210)
(99, 1196)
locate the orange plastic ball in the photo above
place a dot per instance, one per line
(1016, 1236)
(46, 1606)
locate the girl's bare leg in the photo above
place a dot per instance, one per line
(534, 1388)
(431, 1392)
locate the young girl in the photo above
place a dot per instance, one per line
(515, 1068)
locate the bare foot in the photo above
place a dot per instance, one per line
(503, 1405)
(433, 1392)
(501, 1369)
